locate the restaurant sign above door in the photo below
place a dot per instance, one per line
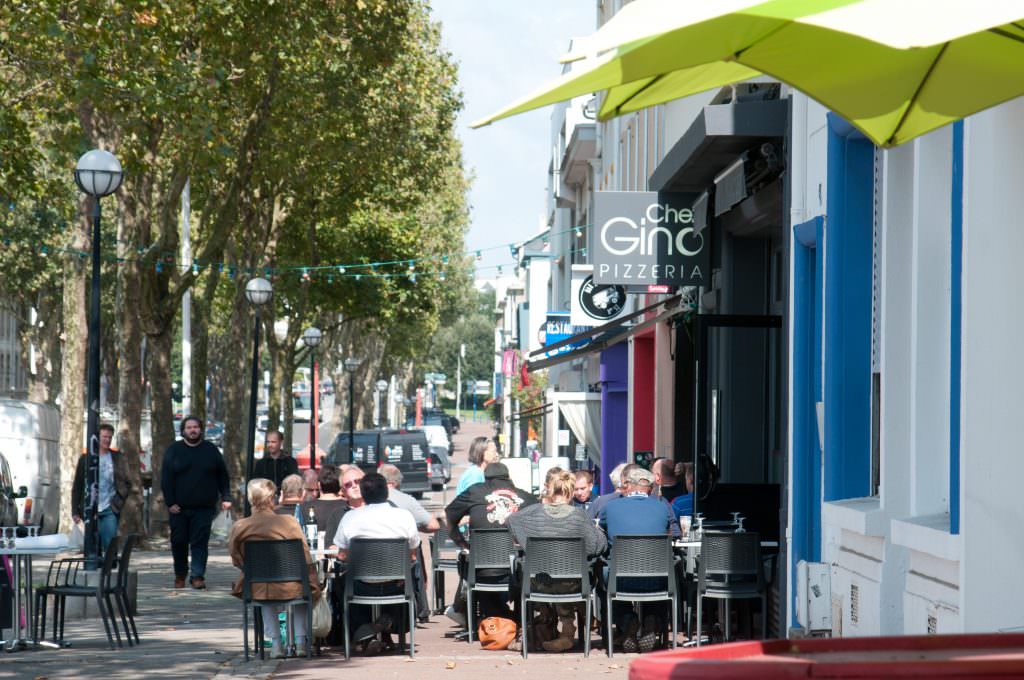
(647, 237)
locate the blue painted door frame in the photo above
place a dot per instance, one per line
(847, 330)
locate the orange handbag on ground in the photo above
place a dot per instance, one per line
(496, 633)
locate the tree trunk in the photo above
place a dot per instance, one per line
(286, 359)
(236, 370)
(158, 358)
(73, 356)
(130, 389)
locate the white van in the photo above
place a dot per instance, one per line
(30, 441)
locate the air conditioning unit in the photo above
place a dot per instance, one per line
(813, 597)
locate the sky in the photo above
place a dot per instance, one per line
(506, 50)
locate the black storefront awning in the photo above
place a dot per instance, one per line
(610, 337)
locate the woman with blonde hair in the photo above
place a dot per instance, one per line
(557, 517)
(264, 524)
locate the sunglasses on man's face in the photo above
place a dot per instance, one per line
(350, 484)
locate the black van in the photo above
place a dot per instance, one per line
(408, 450)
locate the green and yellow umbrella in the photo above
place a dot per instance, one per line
(895, 69)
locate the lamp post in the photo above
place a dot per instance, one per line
(381, 386)
(98, 174)
(311, 337)
(351, 364)
(259, 292)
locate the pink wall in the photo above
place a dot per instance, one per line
(643, 380)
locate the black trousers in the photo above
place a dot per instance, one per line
(190, 529)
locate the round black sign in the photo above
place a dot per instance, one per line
(601, 301)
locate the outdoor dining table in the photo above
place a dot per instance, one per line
(21, 585)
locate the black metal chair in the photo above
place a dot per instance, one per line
(641, 557)
(62, 572)
(377, 560)
(119, 589)
(275, 561)
(439, 565)
(731, 569)
(555, 558)
(488, 549)
(72, 569)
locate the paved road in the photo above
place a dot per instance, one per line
(190, 634)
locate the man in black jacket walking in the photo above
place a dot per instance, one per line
(274, 465)
(193, 477)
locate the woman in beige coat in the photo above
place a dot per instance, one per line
(264, 525)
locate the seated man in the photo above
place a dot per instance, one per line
(665, 479)
(488, 506)
(264, 525)
(330, 506)
(583, 494)
(683, 504)
(424, 521)
(601, 501)
(377, 518)
(636, 513)
(291, 496)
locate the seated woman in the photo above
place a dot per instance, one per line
(265, 525)
(557, 517)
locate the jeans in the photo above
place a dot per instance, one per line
(190, 529)
(108, 527)
(272, 628)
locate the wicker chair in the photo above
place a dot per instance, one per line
(556, 558)
(274, 561)
(488, 549)
(376, 560)
(731, 569)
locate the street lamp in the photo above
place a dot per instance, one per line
(258, 292)
(98, 174)
(351, 364)
(381, 386)
(311, 337)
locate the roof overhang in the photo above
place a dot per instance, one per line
(720, 133)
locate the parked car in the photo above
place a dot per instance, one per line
(440, 467)
(30, 442)
(8, 496)
(215, 432)
(302, 408)
(406, 449)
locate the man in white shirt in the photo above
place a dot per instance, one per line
(376, 519)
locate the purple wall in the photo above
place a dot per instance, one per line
(614, 414)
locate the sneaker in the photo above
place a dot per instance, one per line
(179, 581)
(457, 617)
(364, 632)
(372, 648)
(647, 642)
(276, 650)
(630, 646)
(198, 582)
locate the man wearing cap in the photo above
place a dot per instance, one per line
(636, 513)
(488, 506)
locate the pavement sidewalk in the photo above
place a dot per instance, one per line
(198, 634)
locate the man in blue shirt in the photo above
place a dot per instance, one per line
(636, 513)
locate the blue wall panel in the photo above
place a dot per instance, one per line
(847, 344)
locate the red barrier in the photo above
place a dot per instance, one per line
(865, 658)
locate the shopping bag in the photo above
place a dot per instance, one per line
(322, 617)
(76, 539)
(222, 524)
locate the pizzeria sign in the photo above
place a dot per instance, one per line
(648, 238)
